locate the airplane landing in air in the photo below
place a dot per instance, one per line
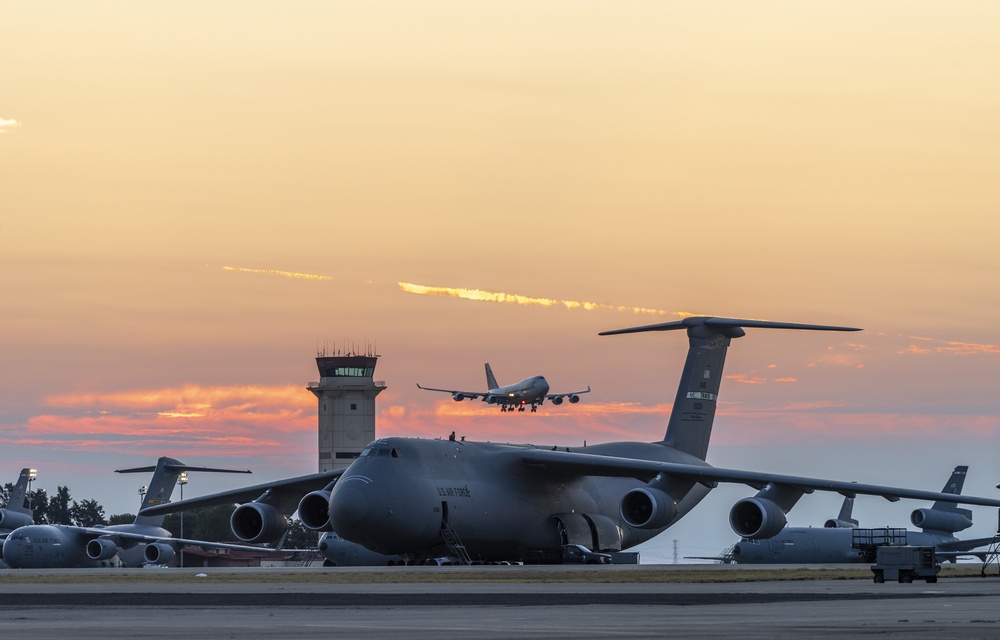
(528, 392)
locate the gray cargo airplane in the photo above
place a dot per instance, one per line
(36, 546)
(486, 501)
(15, 514)
(832, 542)
(530, 391)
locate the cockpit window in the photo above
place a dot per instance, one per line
(381, 451)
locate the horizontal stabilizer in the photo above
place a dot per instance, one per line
(181, 467)
(695, 321)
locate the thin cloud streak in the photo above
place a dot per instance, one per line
(8, 124)
(275, 272)
(949, 346)
(480, 295)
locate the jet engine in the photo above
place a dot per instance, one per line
(458, 397)
(490, 399)
(101, 549)
(942, 520)
(12, 519)
(257, 522)
(314, 511)
(834, 523)
(158, 553)
(574, 399)
(648, 508)
(557, 400)
(756, 518)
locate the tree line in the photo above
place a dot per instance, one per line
(58, 508)
(210, 524)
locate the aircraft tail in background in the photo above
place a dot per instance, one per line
(165, 475)
(846, 518)
(945, 518)
(16, 514)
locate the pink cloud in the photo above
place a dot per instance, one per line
(745, 379)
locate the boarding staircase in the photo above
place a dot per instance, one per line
(454, 544)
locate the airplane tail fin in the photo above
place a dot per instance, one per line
(19, 494)
(491, 380)
(166, 473)
(945, 517)
(693, 413)
(846, 518)
(954, 485)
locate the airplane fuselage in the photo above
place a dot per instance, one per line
(396, 497)
(46, 546)
(529, 391)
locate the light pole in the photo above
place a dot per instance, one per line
(142, 494)
(182, 480)
(32, 476)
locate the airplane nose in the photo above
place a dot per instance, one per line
(348, 505)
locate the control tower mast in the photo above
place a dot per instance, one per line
(346, 394)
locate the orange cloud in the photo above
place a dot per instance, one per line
(233, 421)
(949, 346)
(745, 379)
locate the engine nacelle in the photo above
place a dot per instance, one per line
(101, 549)
(557, 400)
(756, 518)
(458, 397)
(257, 522)
(574, 399)
(158, 553)
(491, 399)
(648, 508)
(14, 519)
(314, 511)
(940, 520)
(834, 523)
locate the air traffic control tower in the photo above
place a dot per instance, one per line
(346, 394)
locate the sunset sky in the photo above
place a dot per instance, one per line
(196, 198)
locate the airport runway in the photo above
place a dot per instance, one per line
(281, 603)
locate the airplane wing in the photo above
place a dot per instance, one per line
(295, 488)
(89, 533)
(459, 395)
(573, 463)
(553, 396)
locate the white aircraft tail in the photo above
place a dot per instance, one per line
(693, 413)
(161, 486)
(491, 380)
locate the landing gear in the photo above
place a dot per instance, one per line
(533, 408)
